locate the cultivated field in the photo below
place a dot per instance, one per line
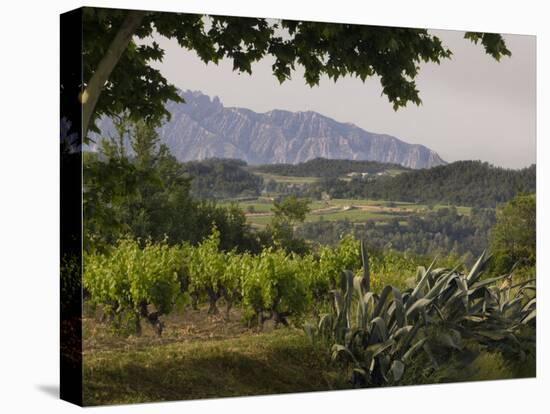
(259, 212)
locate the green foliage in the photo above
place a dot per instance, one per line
(107, 189)
(71, 285)
(235, 232)
(331, 49)
(291, 210)
(276, 287)
(286, 214)
(378, 334)
(443, 232)
(493, 43)
(146, 193)
(462, 183)
(237, 269)
(389, 267)
(129, 278)
(332, 260)
(207, 265)
(323, 167)
(222, 178)
(513, 238)
(133, 73)
(385, 267)
(214, 273)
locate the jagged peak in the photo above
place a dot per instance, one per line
(196, 96)
(290, 137)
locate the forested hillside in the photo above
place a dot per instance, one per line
(222, 178)
(322, 167)
(440, 232)
(467, 183)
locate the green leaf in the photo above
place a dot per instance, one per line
(338, 349)
(381, 328)
(451, 340)
(378, 348)
(420, 285)
(418, 306)
(397, 369)
(413, 349)
(477, 269)
(532, 315)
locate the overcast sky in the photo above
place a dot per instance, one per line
(473, 107)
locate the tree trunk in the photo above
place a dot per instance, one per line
(213, 309)
(138, 324)
(280, 317)
(228, 306)
(95, 85)
(152, 318)
(195, 301)
(213, 296)
(229, 300)
(262, 318)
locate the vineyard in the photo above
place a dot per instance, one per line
(135, 282)
(367, 320)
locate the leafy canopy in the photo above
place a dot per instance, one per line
(134, 186)
(322, 49)
(291, 209)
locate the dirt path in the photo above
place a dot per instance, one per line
(186, 325)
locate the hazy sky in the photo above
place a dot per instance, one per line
(473, 107)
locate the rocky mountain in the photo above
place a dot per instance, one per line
(203, 128)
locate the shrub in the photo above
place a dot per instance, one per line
(206, 264)
(128, 279)
(276, 287)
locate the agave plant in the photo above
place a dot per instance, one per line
(377, 333)
(380, 333)
(492, 313)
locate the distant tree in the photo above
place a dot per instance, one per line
(146, 146)
(286, 215)
(291, 209)
(119, 74)
(513, 238)
(146, 194)
(271, 186)
(428, 233)
(217, 178)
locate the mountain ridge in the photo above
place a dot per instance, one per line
(204, 128)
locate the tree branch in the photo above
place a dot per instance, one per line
(118, 46)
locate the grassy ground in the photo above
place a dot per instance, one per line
(201, 357)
